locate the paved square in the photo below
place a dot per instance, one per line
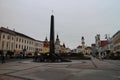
(76, 70)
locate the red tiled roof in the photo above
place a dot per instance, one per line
(103, 43)
(79, 47)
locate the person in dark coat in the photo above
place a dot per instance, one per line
(35, 56)
(2, 57)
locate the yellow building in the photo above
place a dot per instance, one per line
(46, 46)
(63, 48)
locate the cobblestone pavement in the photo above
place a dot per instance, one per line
(93, 69)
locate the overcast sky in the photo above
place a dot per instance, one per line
(73, 18)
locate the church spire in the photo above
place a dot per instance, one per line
(57, 40)
(82, 38)
(83, 44)
(57, 37)
(64, 45)
(46, 39)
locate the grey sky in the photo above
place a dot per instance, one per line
(73, 18)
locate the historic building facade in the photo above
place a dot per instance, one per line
(116, 42)
(39, 46)
(63, 48)
(46, 45)
(88, 50)
(16, 42)
(7, 39)
(79, 49)
(83, 44)
(57, 45)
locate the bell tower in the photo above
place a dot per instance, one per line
(83, 44)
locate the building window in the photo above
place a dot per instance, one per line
(8, 37)
(40, 49)
(19, 46)
(3, 44)
(12, 46)
(29, 42)
(22, 40)
(17, 39)
(16, 46)
(22, 46)
(3, 36)
(7, 45)
(12, 38)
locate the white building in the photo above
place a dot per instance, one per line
(57, 46)
(16, 42)
(68, 50)
(79, 49)
(39, 46)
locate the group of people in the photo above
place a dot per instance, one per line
(40, 57)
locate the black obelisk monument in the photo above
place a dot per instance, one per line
(54, 56)
(52, 45)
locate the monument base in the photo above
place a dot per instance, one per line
(50, 58)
